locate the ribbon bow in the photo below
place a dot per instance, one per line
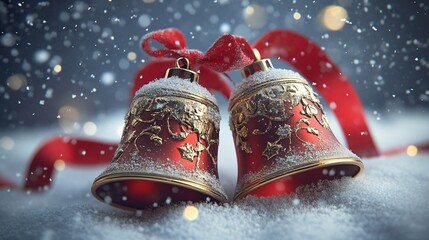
(228, 53)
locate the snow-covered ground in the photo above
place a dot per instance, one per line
(388, 201)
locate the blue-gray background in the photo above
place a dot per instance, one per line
(383, 49)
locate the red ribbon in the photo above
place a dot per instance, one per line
(72, 152)
(4, 183)
(228, 53)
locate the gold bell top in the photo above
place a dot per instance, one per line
(259, 65)
(179, 81)
(182, 70)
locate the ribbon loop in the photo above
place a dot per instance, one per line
(171, 38)
(70, 151)
(228, 53)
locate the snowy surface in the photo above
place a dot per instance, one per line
(389, 201)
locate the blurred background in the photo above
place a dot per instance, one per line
(69, 64)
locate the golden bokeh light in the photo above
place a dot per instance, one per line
(190, 213)
(59, 165)
(412, 150)
(255, 16)
(58, 68)
(297, 16)
(89, 128)
(68, 116)
(7, 143)
(333, 17)
(249, 10)
(132, 56)
(17, 81)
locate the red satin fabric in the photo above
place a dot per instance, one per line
(226, 54)
(73, 151)
(6, 183)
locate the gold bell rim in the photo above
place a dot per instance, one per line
(299, 169)
(153, 178)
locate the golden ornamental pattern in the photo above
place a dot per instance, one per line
(275, 104)
(191, 116)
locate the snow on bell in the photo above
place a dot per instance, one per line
(282, 136)
(168, 149)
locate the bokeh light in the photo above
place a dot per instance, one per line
(132, 56)
(297, 16)
(89, 128)
(7, 143)
(58, 68)
(8, 39)
(41, 56)
(190, 213)
(17, 81)
(255, 16)
(144, 21)
(333, 17)
(59, 165)
(412, 150)
(225, 28)
(68, 117)
(108, 78)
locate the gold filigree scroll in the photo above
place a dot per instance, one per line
(190, 115)
(275, 103)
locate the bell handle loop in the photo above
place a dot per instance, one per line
(256, 54)
(257, 65)
(182, 62)
(182, 70)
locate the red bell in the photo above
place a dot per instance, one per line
(168, 149)
(282, 136)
